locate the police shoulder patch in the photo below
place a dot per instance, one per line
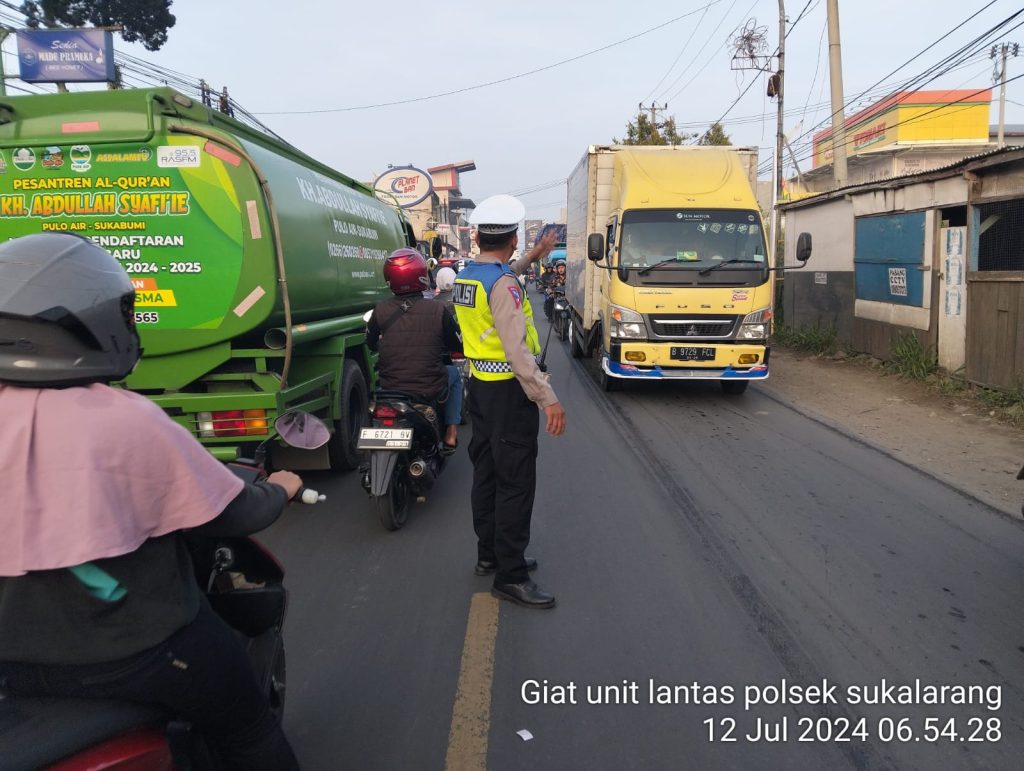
(517, 296)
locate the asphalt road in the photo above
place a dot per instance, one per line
(690, 538)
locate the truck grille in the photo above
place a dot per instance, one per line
(688, 328)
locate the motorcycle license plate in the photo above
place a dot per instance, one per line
(692, 353)
(385, 439)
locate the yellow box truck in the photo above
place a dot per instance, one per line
(668, 266)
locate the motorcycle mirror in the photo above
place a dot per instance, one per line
(301, 430)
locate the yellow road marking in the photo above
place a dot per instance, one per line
(471, 714)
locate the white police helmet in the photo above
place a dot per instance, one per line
(498, 214)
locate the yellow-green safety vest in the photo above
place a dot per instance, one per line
(471, 298)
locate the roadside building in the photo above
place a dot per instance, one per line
(938, 255)
(908, 132)
(432, 201)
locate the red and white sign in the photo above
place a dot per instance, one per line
(406, 185)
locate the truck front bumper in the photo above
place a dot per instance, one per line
(658, 364)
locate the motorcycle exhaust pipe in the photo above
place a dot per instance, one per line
(417, 468)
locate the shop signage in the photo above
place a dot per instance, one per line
(66, 55)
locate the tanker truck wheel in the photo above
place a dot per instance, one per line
(353, 402)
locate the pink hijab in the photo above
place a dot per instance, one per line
(92, 472)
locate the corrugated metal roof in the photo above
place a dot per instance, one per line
(948, 170)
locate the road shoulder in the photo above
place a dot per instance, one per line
(949, 439)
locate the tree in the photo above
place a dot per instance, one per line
(644, 132)
(715, 136)
(145, 21)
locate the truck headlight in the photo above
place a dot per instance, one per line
(755, 325)
(627, 324)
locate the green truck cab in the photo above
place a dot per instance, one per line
(253, 263)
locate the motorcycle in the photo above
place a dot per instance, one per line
(560, 315)
(244, 584)
(405, 448)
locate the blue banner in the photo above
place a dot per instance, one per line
(66, 55)
(889, 257)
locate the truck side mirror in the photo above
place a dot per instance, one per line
(595, 246)
(435, 247)
(803, 247)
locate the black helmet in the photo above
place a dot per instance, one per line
(66, 313)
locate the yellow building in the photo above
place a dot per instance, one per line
(913, 118)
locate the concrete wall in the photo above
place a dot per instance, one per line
(822, 294)
(808, 303)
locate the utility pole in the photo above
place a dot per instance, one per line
(4, 32)
(779, 136)
(1000, 75)
(835, 69)
(654, 110)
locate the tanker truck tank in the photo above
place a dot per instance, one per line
(253, 263)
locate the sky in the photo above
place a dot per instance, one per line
(313, 55)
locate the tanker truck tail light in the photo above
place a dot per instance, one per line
(233, 423)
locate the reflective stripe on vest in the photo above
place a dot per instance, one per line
(471, 296)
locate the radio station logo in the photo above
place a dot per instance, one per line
(24, 158)
(81, 158)
(53, 158)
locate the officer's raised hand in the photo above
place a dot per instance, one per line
(542, 248)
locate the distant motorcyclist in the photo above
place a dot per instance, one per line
(445, 284)
(98, 597)
(552, 280)
(413, 334)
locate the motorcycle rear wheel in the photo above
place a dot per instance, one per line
(393, 507)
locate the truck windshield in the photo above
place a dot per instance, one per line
(687, 239)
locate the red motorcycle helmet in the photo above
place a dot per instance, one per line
(405, 270)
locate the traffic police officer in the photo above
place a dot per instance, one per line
(501, 344)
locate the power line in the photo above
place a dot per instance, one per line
(808, 144)
(950, 63)
(530, 190)
(549, 203)
(754, 80)
(851, 140)
(679, 55)
(913, 58)
(699, 51)
(499, 80)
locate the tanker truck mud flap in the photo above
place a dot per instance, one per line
(353, 406)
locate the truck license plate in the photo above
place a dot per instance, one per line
(692, 353)
(385, 439)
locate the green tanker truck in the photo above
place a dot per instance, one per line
(252, 262)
